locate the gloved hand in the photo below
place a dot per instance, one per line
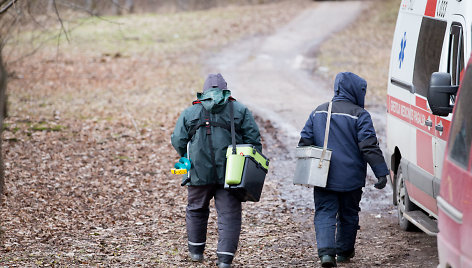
(382, 181)
(184, 163)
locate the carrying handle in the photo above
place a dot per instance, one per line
(188, 179)
(233, 132)
(325, 145)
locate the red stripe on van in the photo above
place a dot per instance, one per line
(421, 103)
(424, 151)
(430, 10)
(410, 114)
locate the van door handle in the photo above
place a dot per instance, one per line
(439, 128)
(428, 123)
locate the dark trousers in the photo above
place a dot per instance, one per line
(336, 221)
(228, 209)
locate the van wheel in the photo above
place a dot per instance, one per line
(404, 202)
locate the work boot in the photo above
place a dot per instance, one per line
(224, 265)
(196, 257)
(342, 258)
(328, 261)
(224, 261)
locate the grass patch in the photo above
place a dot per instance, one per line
(154, 33)
(44, 126)
(364, 48)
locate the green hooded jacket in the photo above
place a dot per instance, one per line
(214, 101)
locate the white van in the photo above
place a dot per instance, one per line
(431, 45)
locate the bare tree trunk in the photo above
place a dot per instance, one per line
(116, 7)
(90, 6)
(183, 5)
(3, 88)
(129, 6)
(50, 5)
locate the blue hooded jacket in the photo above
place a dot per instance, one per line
(352, 135)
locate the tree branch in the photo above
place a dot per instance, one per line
(60, 20)
(6, 6)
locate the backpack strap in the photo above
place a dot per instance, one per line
(206, 115)
(207, 123)
(204, 123)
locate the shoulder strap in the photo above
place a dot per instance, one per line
(325, 145)
(233, 131)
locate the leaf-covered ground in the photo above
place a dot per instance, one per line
(87, 151)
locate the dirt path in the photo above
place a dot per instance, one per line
(271, 69)
(271, 75)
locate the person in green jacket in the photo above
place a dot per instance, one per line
(205, 130)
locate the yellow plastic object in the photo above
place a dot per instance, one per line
(178, 171)
(235, 162)
(234, 168)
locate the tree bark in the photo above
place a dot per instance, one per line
(50, 5)
(90, 6)
(116, 7)
(3, 88)
(129, 6)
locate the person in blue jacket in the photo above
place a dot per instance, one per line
(353, 142)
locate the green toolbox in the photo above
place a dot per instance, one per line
(246, 169)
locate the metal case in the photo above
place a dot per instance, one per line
(308, 170)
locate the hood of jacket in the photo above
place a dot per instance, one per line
(215, 99)
(350, 87)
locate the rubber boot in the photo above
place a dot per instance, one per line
(328, 261)
(196, 257)
(224, 265)
(224, 261)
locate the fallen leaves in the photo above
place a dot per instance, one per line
(87, 159)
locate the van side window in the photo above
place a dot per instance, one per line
(428, 52)
(461, 132)
(456, 53)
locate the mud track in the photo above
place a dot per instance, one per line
(272, 75)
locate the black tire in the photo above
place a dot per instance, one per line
(404, 203)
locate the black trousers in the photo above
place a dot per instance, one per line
(336, 221)
(229, 220)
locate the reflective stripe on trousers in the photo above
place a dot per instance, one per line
(229, 218)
